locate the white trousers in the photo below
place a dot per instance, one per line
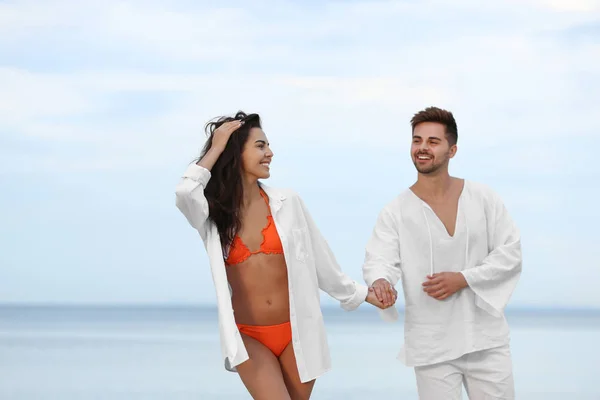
(486, 374)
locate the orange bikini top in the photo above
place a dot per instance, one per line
(271, 243)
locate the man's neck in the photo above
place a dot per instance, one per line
(433, 186)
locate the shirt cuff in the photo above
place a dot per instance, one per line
(197, 173)
(359, 297)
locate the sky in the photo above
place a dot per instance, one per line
(103, 103)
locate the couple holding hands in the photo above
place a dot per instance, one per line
(450, 242)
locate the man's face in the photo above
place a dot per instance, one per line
(430, 150)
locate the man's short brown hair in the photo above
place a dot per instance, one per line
(435, 114)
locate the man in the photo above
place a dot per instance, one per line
(458, 253)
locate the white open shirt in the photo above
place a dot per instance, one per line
(410, 242)
(310, 265)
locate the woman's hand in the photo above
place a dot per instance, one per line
(222, 134)
(219, 140)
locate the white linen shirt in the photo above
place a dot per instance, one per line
(410, 242)
(310, 265)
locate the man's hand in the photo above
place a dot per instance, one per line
(384, 292)
(444, 284)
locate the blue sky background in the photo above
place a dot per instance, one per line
(102, 105)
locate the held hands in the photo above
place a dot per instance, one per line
(442, 285)
(382, 294)
(372, 299)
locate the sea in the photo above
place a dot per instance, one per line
(171, 353)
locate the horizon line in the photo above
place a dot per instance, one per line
(149, 305)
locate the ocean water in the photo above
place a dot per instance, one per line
(74, 353)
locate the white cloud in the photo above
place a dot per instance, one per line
(504, 67)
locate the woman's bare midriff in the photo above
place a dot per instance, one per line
(260, 290)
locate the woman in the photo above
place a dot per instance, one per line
(268, 260)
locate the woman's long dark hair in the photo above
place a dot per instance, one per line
(225, 190)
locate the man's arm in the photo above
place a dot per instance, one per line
(381, 268)
(495, 278)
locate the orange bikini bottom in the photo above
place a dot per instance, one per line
(274, 337)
